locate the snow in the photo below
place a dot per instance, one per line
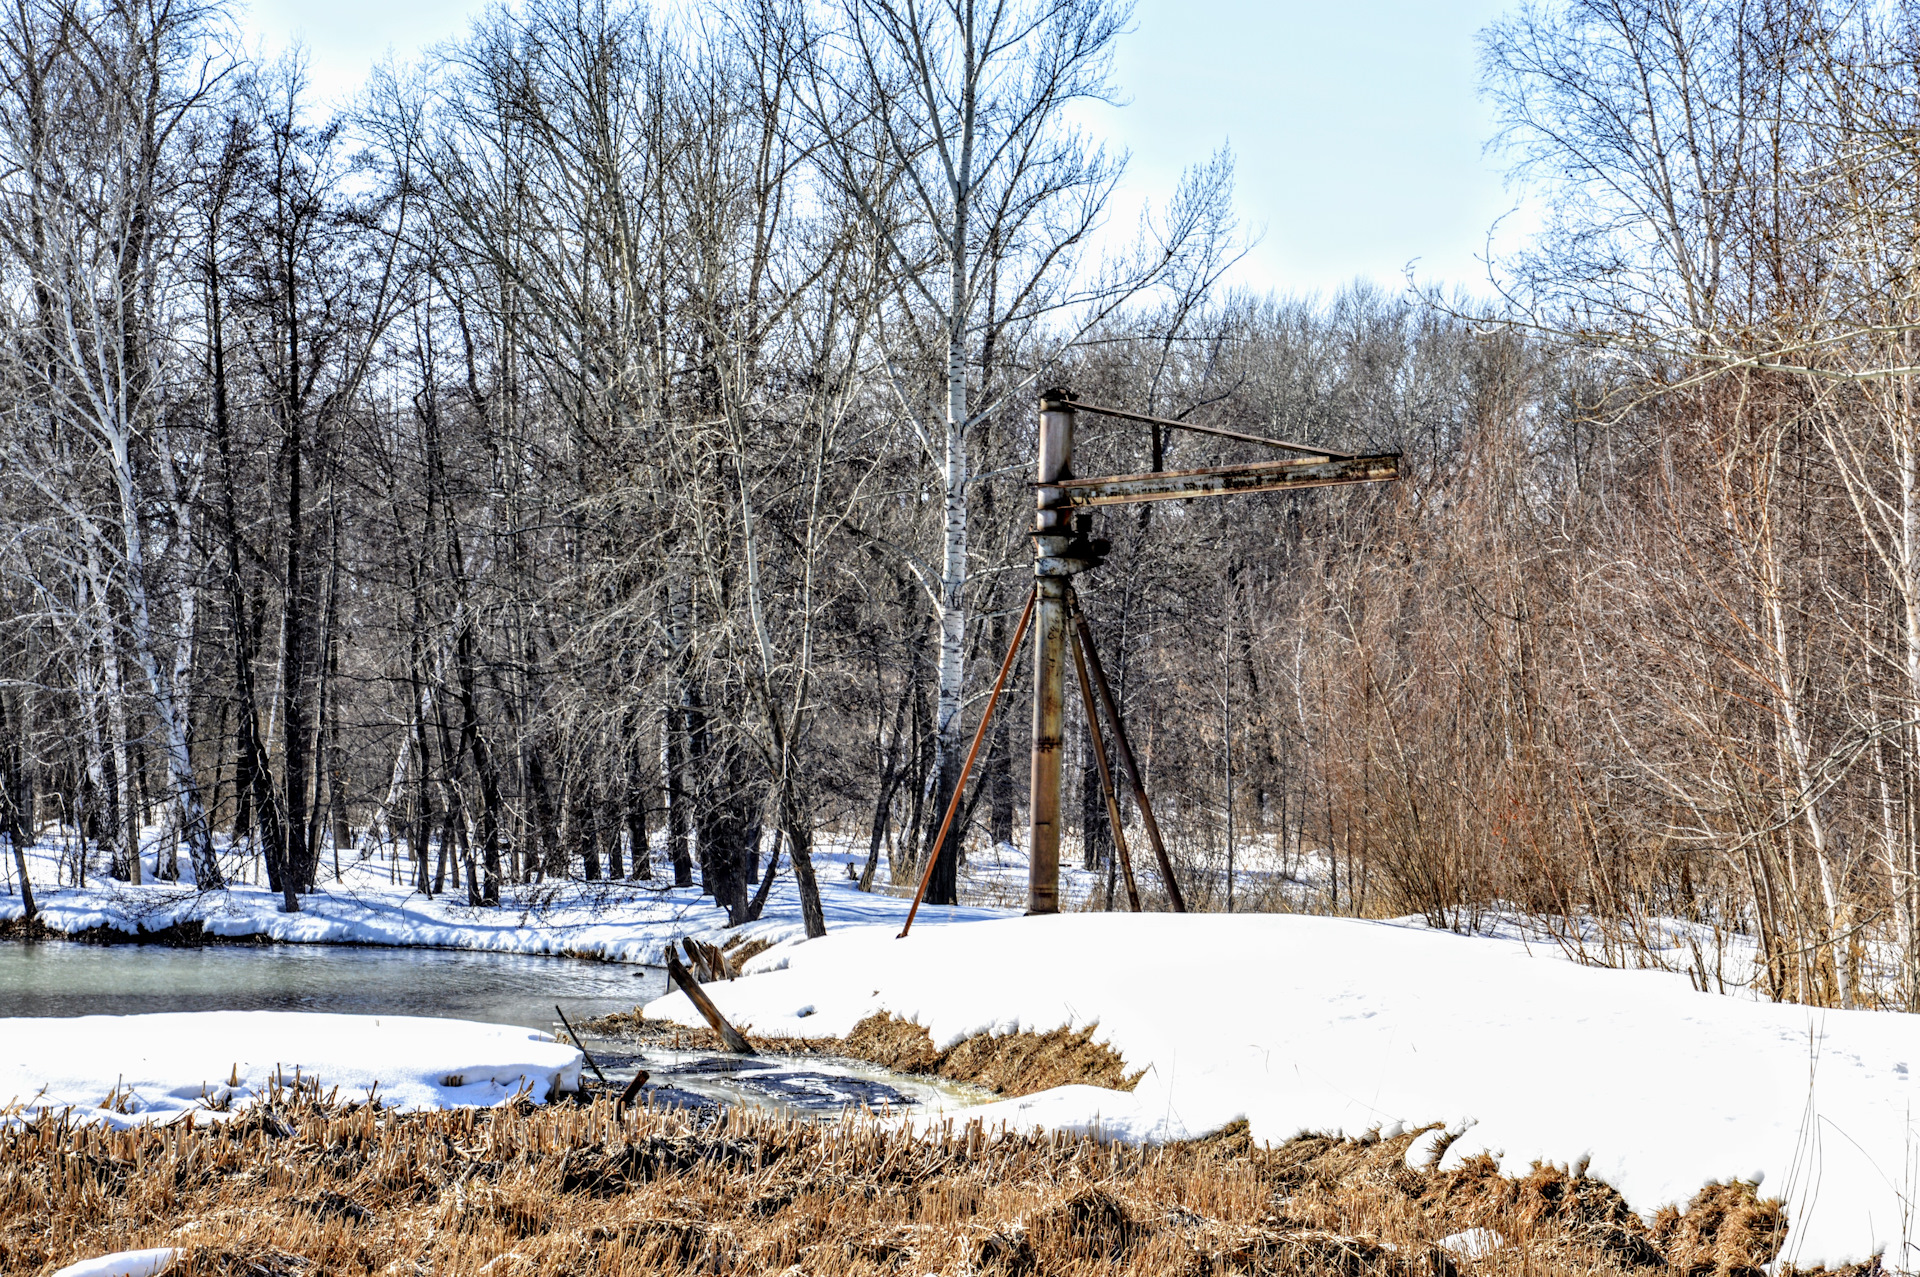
(124, 1263)
(124, 1070)
(1474, 1243)
(626, 921)
(1321, 1024)
(1292, 1022)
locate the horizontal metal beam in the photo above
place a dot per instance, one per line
(1265, 476)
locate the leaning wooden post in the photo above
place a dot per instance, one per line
(966, 768)
(1052, 531)
(677, 973)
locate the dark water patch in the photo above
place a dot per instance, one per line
(800, 1086)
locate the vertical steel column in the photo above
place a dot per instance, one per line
(1052, 529)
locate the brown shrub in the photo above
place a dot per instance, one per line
(1727, 1230)
(1007, 1063)
(1563, 1219)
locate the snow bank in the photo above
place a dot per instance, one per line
(124, 1263)
(1299, 1023)
(128, 1069)
(626, 921)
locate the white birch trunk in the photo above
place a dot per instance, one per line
(1804, 784)
(953, 566)
(1906, 580)
(953, 558)
(112, 698)
(124, 789)
(89, 690)
(173, 727)
(178, 556)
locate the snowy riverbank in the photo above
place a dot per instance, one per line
(127, 1069)
(1298, 1023)
(1294, 1023)
(624, 921)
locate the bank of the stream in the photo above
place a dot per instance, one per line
(52, 980)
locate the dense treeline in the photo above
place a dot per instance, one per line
(603, 454)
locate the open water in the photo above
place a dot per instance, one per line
(57, 978)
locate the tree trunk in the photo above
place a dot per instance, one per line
(639, 848)
(293, 703)
(673, 769)
(14, 819)
(1096, 840)
(943, 887)
(800, 851)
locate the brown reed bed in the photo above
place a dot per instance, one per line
(303, 1185)
(1005, 1063)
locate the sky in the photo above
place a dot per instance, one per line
(1356, 128)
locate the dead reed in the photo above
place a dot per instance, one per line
(300, 1185)
(1005, 1063)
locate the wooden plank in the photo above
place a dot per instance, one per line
(1263, 476)
(678, 973)
(696, 960)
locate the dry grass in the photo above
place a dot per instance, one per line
(1006, 1063)
(741, 950)
(300, 1186)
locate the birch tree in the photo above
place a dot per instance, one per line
(97, 96)
(945, 126)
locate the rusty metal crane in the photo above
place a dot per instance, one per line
(1061, 550)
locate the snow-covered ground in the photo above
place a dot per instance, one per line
(125, 1263)
(127, 1069)
(1293, 1022)
(627, 921)
(1300, 1023)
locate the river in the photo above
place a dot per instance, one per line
(59, 978)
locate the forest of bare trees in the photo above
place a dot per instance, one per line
(603, 452)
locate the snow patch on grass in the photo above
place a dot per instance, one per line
(1347, 1027)
(124, 1263)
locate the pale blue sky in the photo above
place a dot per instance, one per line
(1356, 126)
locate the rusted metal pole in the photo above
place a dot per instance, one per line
(960, 786)
(1106, 775)
(1052, 531)
(1125, 750)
